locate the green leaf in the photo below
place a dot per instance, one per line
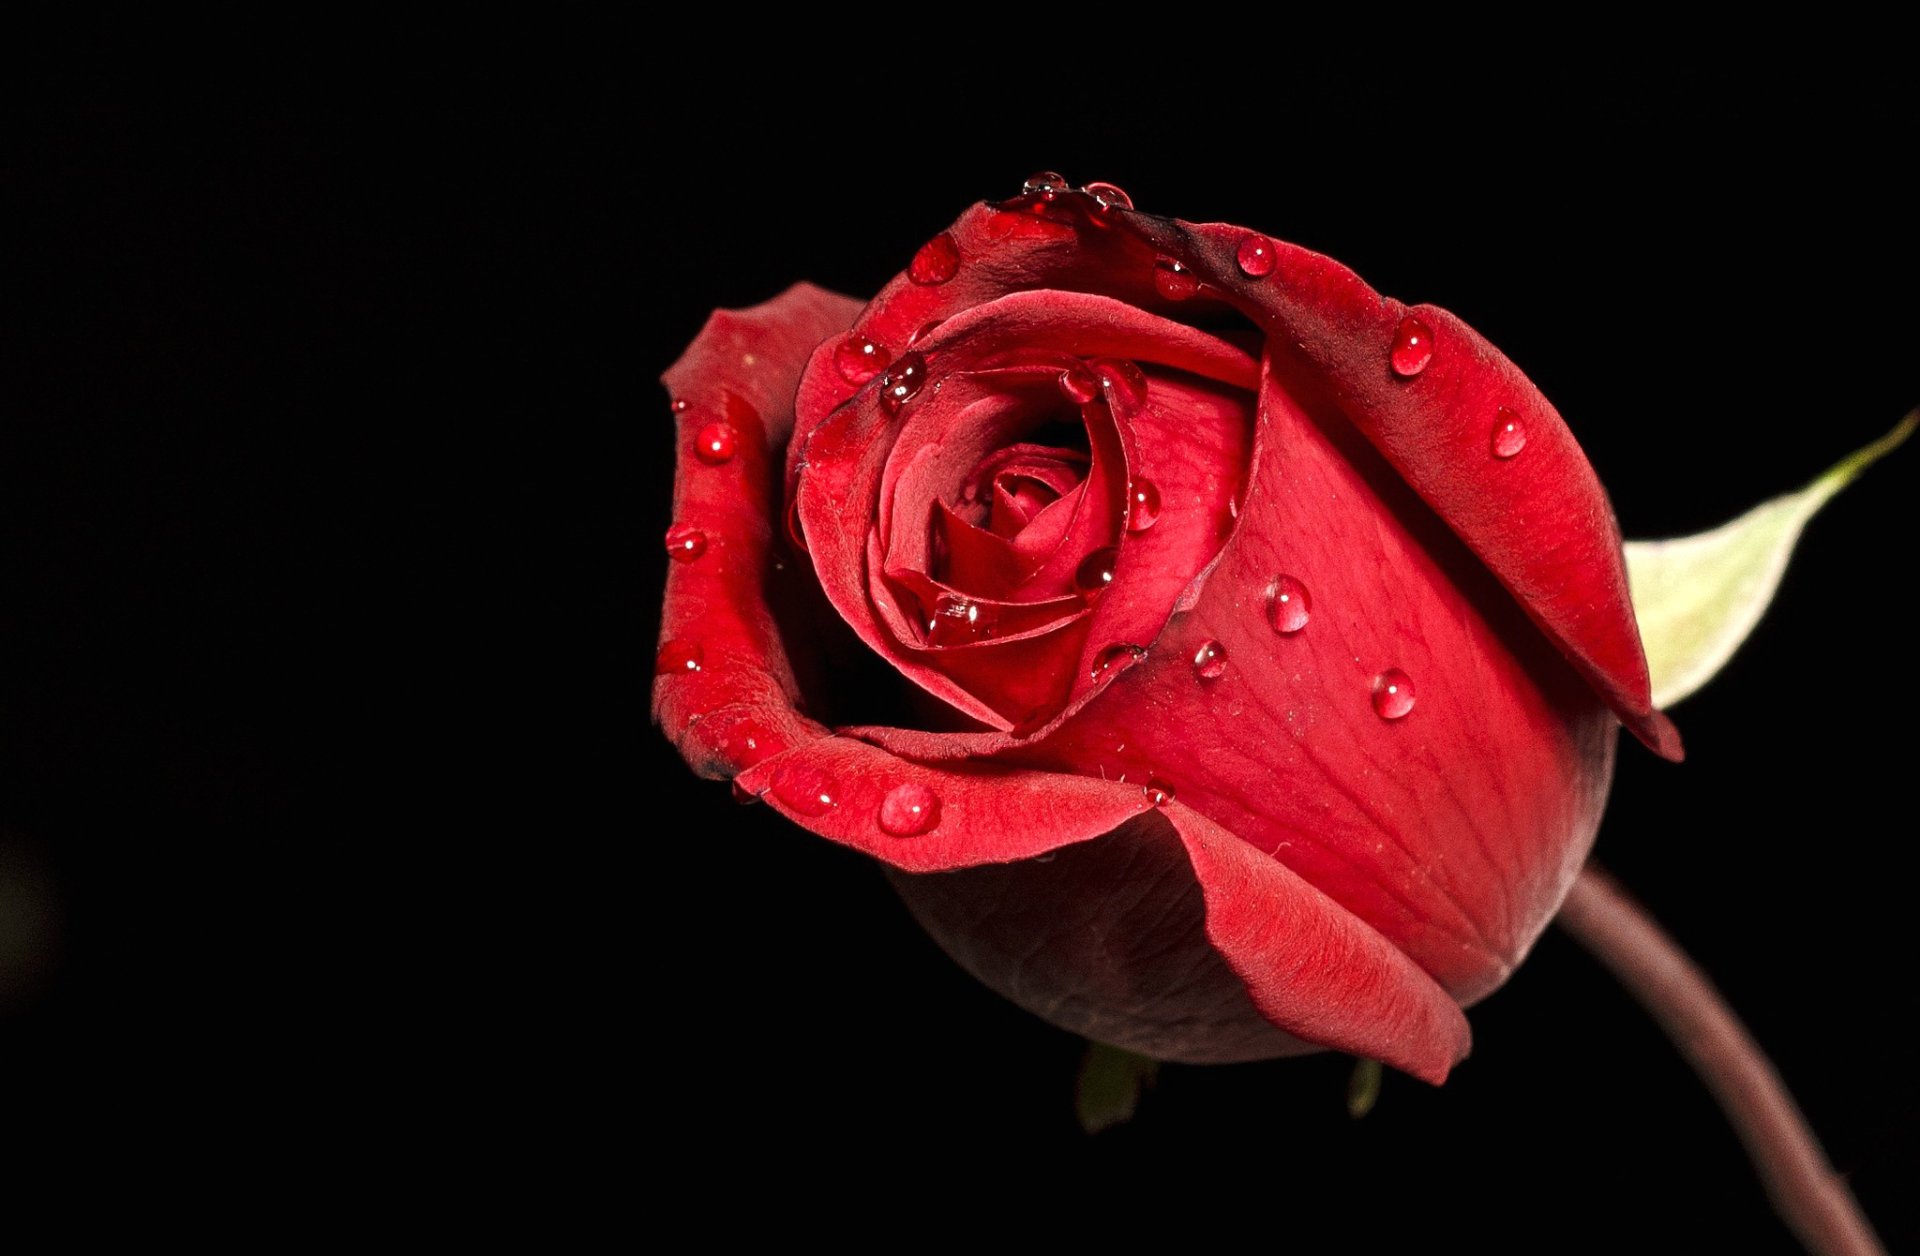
(1697, 597)
(1111, 1081)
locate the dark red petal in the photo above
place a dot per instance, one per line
(739, 706)
(1540, 522)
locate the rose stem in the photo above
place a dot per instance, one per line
(1807, 1192)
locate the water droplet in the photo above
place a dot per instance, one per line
(678, 657)
(807, 790)
(685, 543)
(1044, 183)
(1509, 433)
(1412, 347)
(1173, 280)
(1143, 505)
(902, 380)
(1095, 572)
(1108, 196)
(1255, 256)
(680, 405)
(958, 620)
(1289, 605)
(1115, 655)
(937, 261)
(1158, 792)
(715, 444)
(909, 810)
(1210, 661)
(859, 359)
(1392, 694)
(1079, 385)
(923, 331)
(1123, 377)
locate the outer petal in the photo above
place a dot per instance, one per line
(1174, 938)
(1540, 522)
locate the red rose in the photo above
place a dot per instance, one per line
(1263, 638)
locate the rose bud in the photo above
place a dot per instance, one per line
(1252, 645)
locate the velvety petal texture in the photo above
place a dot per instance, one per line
(1267, 685)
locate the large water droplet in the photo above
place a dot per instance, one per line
(1255, 256)
(807, 790)
(1114, 656)
(715, 444)
(1044, 183)
(678, 657)
(1210, 661)
(859, 359)
(1172, 279)
(1412, 347)
(1509, 433)
(902, 380)
(1125, 378)
(1079, 385)
(909, 810)
(1392, 694)
(1289, 605)
(1143, 505)
(1158, 792)
(923, 331)
(937, 261)
(1108, 196)
(1095, 573)
(958, 620)
(685, 543)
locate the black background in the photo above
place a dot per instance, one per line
(334, 826)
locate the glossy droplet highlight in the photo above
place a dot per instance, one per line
(1288, 605)
(1079, 385)
(1143, 505)
(807, 790)
(1255, 256)
(1044, 183)
(937, 261)
(1095, 573)
(1108, 196)
(1392, 694)
(902, 380)
(1115, 656)
(1158, 792)
(909, 810)
(1412, 348)
(859, 359)
(958, 620)
(685, 543)
(1210, 661)
(1125, 378)
(680, 405)
(1509, 433)
(715, 444)
(1172, 280)
(923, 331)
(678, 657)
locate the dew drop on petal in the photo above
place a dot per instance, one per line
(1124, 378)
(1143, 505)
(859, 359)
(685, 543)
(937, 261)
(959, 620)
(807, 790)
(1044, 183)
(1158, 792)
(1210, 661)
(1509, 433)
(1115, 655)
(680, 405)
(1172, 280)
(1108, 196)
(1079, 385)
(1255, 256)
(909, 810)
(1392, 694)
(715, 444)
(1289, 605)
(1412, 347)
(902, 380)
(678, 657)
(923, 331)
(1095, 572)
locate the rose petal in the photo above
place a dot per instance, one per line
(742, 369)
(1540, 521)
